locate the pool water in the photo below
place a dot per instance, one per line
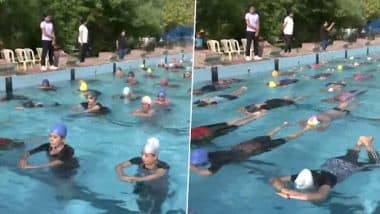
(245, 188)
(100, 144)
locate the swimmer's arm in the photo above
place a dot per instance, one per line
(203, 172)
(319, 195)
(53, 163)
(120, 167)
(159, 173)
(278, 183)
(76, 108)
(93, 109)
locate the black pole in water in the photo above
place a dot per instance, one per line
(214, 74)
(367, 50)
(72, 74)
(166, 59)
(345, 53)
(8, 86)
(276, 64)
(317, 58)
(114, 69)
(144, 62)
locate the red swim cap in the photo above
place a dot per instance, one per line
(164, 82)
(199, 133)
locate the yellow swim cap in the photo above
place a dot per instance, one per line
(142, 66)
(82, 86)
(313, 121)
(275, 73)
(339, 67)
(149, 70)
(272, 84)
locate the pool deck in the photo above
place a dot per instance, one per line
(307, 48)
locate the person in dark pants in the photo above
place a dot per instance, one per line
(288, 32)
(324, 33)
(47, 30)
(334, 170)
(253, 29)
(83, 39)
(122, 45)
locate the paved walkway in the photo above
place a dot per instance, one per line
(307, 48)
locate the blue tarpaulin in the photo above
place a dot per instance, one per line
(179, 34)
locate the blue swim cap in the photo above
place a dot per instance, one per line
(59, 129)
(199, 157)
(45, 82)
(161, 92)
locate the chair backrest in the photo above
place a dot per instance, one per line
(225, 45)
(20, 54)
(214, 46)
(235, 46)
(29, 54)
(9, 55)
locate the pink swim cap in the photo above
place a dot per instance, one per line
(164, 82)
(345, 97)
(358, 77)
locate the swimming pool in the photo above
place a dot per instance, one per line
(244, 187)
(99, 142)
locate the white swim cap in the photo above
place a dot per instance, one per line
(304, 180)
(152, 145)
(331, 89)
(313, 121)
(146, 100)
(126, 91)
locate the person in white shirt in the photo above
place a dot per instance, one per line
(47, 34)
(253, 29)
(83, 39)
(288, 27)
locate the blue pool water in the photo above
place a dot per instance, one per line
(244, 187)
(100, 144)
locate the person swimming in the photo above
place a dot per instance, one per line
(162, 99)
(362, 77)
(152, 183)
(238, 153)
(127, 95)
(204, 134)
(32, 104)
(186, 75)
(269, 104)
(7, 143)
(146, 108)
(131, 78)
(315, 185)
(164, 83)
(281, 83)
(220, 98)
(83, 88)
(335, 86)
(344, 96)
(216, 86)
(45, 85)
(92, 106)
(11, 96)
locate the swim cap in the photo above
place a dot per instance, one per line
(199, 157)
(131, 74)
(149, 70)
(352, 58)
(171, 65)
(358, 77)
(152, 145)
(356, 64)
(59, 129)
(330, 90)
(45, 82)
(275, 73)
(164, 82)
(83, 85)
(369, 58)
(142, 66)
(304, 180)
(313, 121)
(146, 100)
(339, 67)
(272, 84)
(161, 92)
(126, 91)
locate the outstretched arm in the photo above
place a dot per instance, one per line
(199, 171)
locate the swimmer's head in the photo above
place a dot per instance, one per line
(151, 146)
(161, 94)
(187, 74)
(356, 64)
(149, 71)
(91, 96)
(272, 84)
(59, 129)
(83, 85)
(142, 66)
(369, 58)
(331, 89)
(131, 74)
(313, 121)
(339, 67)
(275, 73)
(304, 180)
(146, 100)
(358, 77)
(45, 83)
(126, 91)
(164, 83)
(199, 157)
(352, 58)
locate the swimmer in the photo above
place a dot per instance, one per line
(7, 144)
(162, 99)
(335, 86)
(216, 86)
(220, 98)
(164, 83)
(320, 76)
(362, 77)
(202, 135)
(83, 87)
(315, 185)
(174, 64)
(270, 104)
(119, 72)
(32, 104)
(238, 153)
(326, 117)
(149, 74)
(127, 95)
(131, 78)
(45, 85)
(11, 96)
(152, 183)
(146, 108)
(60, 154)
(187, 75)
(281, 83)
(91, 106)
(344, 96)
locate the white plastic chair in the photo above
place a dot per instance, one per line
(9, 56)
(227, 49)
(21, 58)
(30, 56)
(235, 46)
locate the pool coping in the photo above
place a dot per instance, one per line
(229, 71)
(23, 81)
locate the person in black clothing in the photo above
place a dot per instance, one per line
(152, 183)
(11, 96)
(269, 104)
(33, 104)
(122, 45)
(92, 105)
(60, 154)
(239, 152)
(7, 144)
(220, 98)
(334, 170)
(324, 34)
